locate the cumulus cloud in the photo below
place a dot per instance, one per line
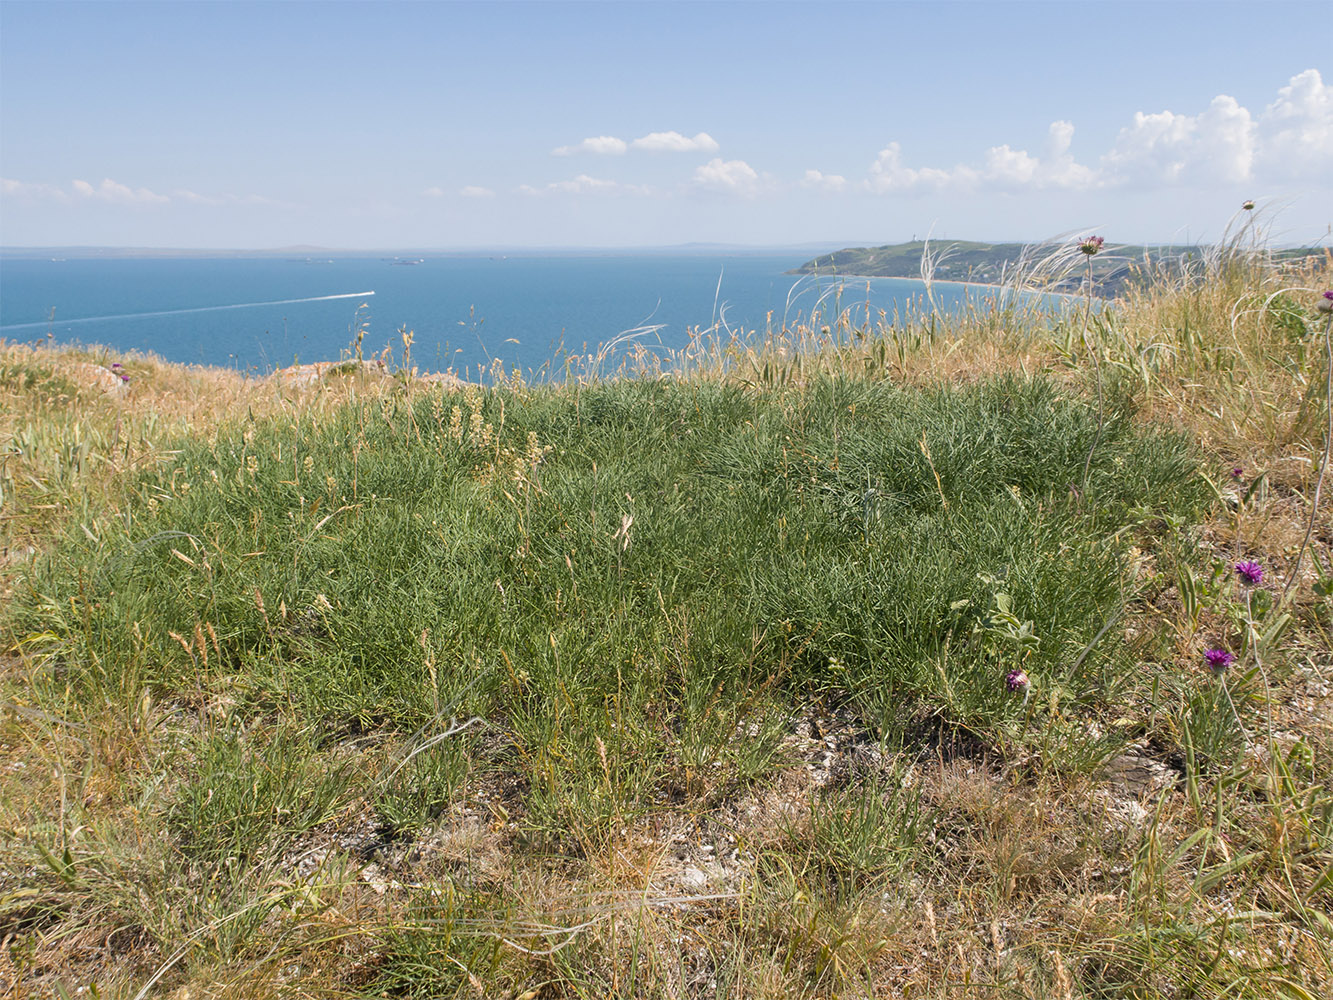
(1294, 134)
(889, 175)
(674, 142)
(602, 145)
(728, 176)
(1005, 167)
(112, 191)
(1153, 146)
(823, 182)
(476, 191)
(653, 142)
(1289, 140)
(1165, 147)
(1002, 168)
(1058, 167)
(1014, 167)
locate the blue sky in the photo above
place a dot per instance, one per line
(644, 124)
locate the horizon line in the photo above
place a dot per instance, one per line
(399, 251)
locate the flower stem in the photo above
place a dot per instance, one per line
(1295, 573)
(1097, 367)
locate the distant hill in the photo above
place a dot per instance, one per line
(991, 263)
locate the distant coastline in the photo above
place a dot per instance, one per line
(971, 263)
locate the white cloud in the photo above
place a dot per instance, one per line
(1007, 168)
(1226, 140)
(113, 192)
(1059, 168)
(653, 142)
(1152, 147)
(1011, 167)
(728, 176)
(674, 142)
(31, 192)
(888, 175)
(475, 191)
(1002, 168)
(1295, 132)
(822, 181)
(433, 192)
(602, 145)
(1291, 139)
(110, 190)
(583, 184)
(1165, 147)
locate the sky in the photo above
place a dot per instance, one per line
(623, 124)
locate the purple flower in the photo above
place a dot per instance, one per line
(1218, 660)
(1091, 245)
(1017, 681)
(1327, 304)
(1329, 295)
(1251, 573)
(124, 378)
(1248, 206)
(115, 365)
(1237, 471)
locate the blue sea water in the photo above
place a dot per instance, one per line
(261, 313)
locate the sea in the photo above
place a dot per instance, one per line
(531, 311)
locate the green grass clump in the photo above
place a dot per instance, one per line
(683, 548)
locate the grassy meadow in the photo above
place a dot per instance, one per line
(846, 661)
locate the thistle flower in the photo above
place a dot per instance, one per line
(1237, 471)
(1251, 573)
(1248, 205)
(1091, 245)
(1326, 303)
(1218, 660)
(1017, 681)
(115, 366)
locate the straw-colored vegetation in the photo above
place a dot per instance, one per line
(861, 658)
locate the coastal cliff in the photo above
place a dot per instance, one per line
(1000, 263)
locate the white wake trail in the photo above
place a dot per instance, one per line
(180, 312)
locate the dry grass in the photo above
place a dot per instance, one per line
(72, 435)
